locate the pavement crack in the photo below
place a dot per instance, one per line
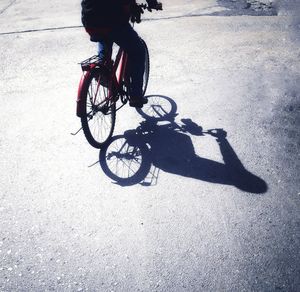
(80, 26)
(174, 17)
(40, 29)
(10, 4)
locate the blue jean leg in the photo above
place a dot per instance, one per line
(104, 49)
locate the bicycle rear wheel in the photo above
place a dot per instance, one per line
(147, 68)
(98, 120)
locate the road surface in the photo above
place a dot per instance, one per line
(209, 213)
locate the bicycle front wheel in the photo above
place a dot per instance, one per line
(98, 120)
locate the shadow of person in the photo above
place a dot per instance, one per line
(169, 147)
(172, 151)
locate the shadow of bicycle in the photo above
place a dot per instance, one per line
(160, 143)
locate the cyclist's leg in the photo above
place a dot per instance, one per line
(104, 53)
(127, 38)
(104, 49)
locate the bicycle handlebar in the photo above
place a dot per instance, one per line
(138, 10)
(145, 6)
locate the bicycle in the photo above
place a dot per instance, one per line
(102, 85)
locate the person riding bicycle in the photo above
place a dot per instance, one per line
(107, 21)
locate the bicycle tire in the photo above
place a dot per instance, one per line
(98, 122)
(147, 68)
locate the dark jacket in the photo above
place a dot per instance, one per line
(103, 13)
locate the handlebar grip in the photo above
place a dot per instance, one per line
(157, 7)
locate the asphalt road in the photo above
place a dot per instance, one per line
(209, 213)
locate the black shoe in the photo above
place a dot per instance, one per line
(138, 102)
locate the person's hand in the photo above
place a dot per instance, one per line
(136, 12)
(153, 4)
(220, 134)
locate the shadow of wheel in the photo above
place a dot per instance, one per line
(125, 160)
(158, 108)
